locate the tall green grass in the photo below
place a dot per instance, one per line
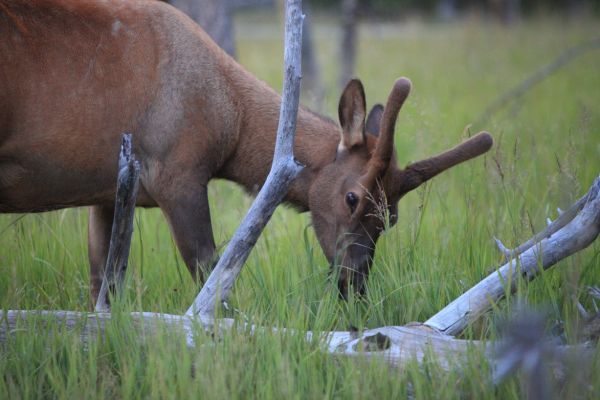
(546, 154)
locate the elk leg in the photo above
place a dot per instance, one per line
(100, 227)
(188, 216)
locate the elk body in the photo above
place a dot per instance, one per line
(75, 74)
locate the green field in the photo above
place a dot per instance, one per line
(546, 154)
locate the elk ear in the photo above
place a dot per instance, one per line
(352, 112)
(374, 120)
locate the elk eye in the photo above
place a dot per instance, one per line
(351, 200)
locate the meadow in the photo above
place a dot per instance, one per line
(546, 154)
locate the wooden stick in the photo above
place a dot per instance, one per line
(283, 170)
(122, 228)
(579, 233)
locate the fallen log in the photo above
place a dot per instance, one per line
(397, 345)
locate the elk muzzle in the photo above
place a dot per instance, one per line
(353, 266)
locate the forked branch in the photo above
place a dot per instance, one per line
(283, 170)
(563, 219)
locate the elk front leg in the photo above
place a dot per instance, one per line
(188, 216)
(100, 226)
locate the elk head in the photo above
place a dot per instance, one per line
(350, 197)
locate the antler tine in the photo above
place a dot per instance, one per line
(385, 144)
(417, 173)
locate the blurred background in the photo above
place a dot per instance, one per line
(347, 22)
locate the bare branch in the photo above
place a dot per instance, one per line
(508, 254)
(122, 228)
(564, 218)
(574, 235)
(283, 170)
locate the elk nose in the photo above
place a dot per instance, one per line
(353, 275)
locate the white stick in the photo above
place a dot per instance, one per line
(283, 170)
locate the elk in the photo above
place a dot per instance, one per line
(75, 74)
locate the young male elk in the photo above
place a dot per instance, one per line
(75, 74)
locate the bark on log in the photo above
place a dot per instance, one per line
(122, 227)
(283, 170)
(574, 236)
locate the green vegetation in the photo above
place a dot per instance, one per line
(546, 154)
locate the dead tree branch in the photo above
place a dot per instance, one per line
(283, 170)
(573, 236)
(122, 228)
(396, 345)
(564, 218)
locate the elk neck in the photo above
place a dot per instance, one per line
(315, 142)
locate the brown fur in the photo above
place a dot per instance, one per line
(75, 74)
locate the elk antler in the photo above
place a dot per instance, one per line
(417, 173)
(385, 144)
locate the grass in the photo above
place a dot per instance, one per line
(546, 154)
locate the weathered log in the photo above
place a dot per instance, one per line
(283, 170)
(122, 228)
(572, 237)
(397, 345)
